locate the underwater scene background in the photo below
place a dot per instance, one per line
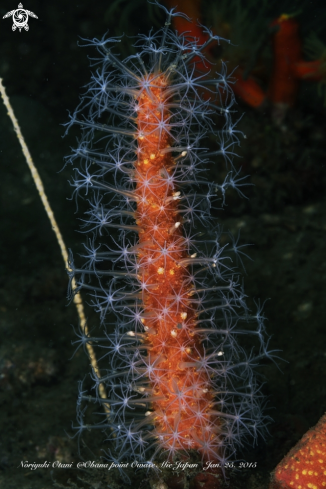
(284, 219)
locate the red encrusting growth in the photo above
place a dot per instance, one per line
(304, 467)
(181, 392)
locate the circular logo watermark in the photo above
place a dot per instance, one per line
(20, 18)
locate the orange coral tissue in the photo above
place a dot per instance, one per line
(304, 467)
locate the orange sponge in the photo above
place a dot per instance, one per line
(304, 467)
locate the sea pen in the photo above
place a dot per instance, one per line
(175, 372)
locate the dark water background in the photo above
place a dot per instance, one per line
(285, 218)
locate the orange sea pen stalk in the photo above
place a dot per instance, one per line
(284, 84)
(184, 395)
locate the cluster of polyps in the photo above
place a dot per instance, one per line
(176, 375)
